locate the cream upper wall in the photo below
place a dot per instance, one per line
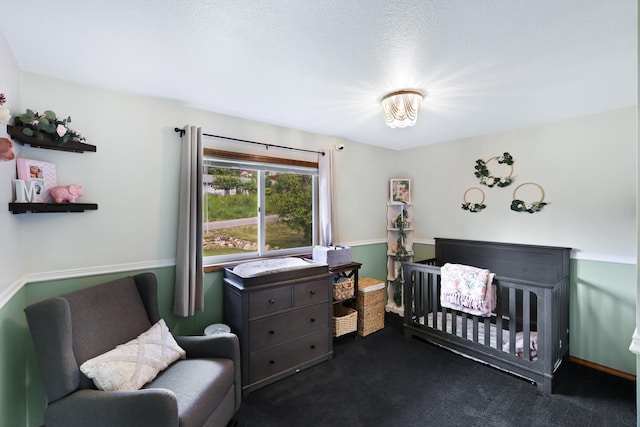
(12, 264)
(134, 175)
(361, 178)
(589, 181)
(586, 165)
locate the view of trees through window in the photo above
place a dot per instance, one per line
(232, 210)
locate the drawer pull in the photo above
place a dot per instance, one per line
(272, 332)
(272, 362)
(272, 301)
(312, 319)
(313, 292)
(313, 346)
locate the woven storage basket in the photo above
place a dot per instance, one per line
(345, 320)
(343, 289)
(370, 303)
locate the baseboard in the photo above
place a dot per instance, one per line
(603, 368)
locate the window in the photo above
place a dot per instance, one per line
(257, 206)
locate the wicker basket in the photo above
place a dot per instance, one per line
(343, 289)
(345, 320)
(370, 302)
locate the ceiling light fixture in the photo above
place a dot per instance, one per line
(401, 108)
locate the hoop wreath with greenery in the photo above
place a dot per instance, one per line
(473, 207)
(521, 206)
(484, 174)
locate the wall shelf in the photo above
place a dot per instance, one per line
(47, 142)
(19, 208)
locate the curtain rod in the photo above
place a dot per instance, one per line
(182, 131)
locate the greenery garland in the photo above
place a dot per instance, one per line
(37, 124)
(518, 205)
(484, 175)
(402, 255)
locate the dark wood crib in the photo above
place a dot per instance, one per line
(527, 333)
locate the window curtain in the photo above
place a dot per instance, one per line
(188, 292)
(325, 181)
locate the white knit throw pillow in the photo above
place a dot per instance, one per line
(130, 366)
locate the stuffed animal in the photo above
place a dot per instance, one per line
(66, 193)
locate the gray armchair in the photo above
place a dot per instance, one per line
(202, 390)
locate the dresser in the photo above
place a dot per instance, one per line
(283, 324)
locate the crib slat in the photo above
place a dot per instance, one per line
(454, 322)
(512, 320)
(435, 290)
(465, 322)
(526, 326)
(475, 328)
(487, 331)
(423, 297)
(499, 317)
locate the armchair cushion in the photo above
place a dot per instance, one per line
(199, 385)
(131, 365)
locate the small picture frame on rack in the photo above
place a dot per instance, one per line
(400, 191)
(43, 172)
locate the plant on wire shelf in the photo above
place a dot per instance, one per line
(402, 255)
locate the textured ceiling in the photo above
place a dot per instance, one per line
(323, 66)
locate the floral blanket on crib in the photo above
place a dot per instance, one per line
(467, 289)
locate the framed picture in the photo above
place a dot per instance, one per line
(45, 172)
(400, 191)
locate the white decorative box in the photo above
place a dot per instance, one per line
(332, 255)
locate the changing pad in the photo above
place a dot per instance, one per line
(272, 265)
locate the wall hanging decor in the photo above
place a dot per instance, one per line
(473, 207)
(400, 191)
(484, 174)
(518, 205)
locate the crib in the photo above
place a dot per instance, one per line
(528, 332)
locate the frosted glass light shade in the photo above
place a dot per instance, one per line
(401, 108)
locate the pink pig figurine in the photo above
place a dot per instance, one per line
(68, 193)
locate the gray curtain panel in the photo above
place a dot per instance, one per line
(188, 292)
(325, 181)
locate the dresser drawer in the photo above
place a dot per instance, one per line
(269, 301)
(286, 326)
(311, 292)
(279, 358)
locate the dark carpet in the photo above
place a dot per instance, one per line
(384, 379)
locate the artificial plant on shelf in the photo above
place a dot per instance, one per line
(402, 255)
(37, 124)
(5, 114)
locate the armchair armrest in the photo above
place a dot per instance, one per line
(218, 345)
(141, 408)
(224, 345)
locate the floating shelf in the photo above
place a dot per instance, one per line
(19, 208)
(47, 142)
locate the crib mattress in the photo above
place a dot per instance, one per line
(493, 336)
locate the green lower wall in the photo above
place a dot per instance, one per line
(603, 313)
(13, 386)
(602, 321)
